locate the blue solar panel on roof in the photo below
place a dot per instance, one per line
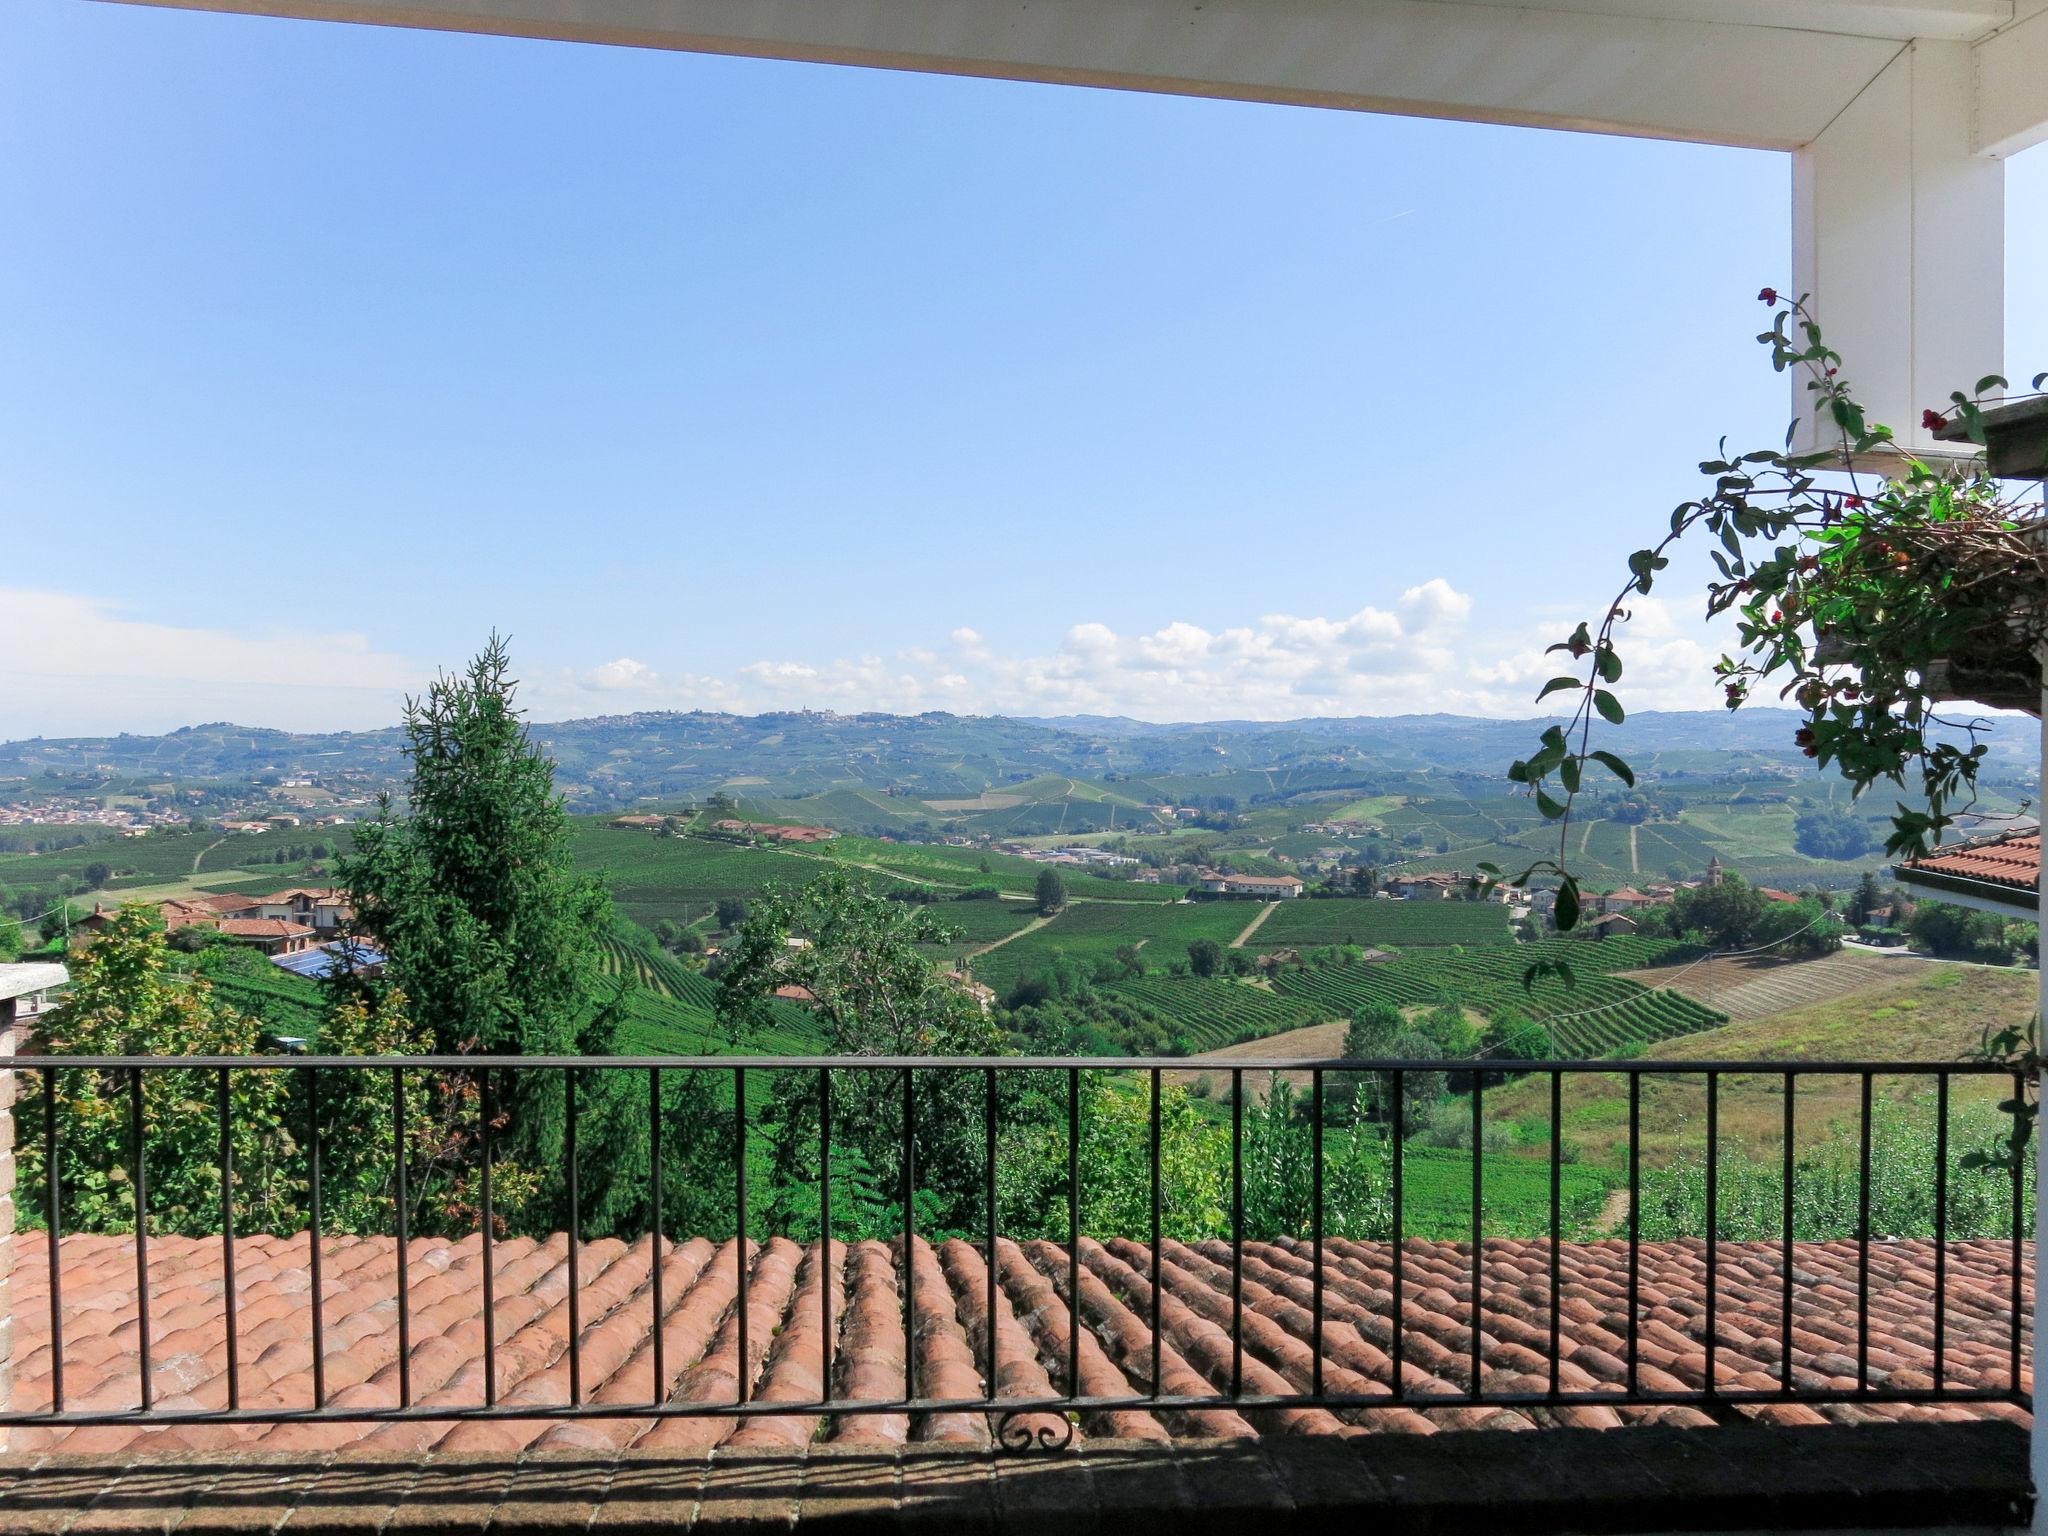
(318, 963)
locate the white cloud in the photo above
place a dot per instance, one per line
(1435, 602)
(78, 665)
(624, 673)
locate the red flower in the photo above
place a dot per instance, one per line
(1768, 296)
(1777, 616)
(1933, 421)
(1855, 502)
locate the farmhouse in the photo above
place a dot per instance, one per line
(272, 935)
(1627, 899)
(772, 832)
(1608, 925)
(1264, 887)
(321, 908)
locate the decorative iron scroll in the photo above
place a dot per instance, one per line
(1015, 1433)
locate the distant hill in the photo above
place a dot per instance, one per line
(612, 761)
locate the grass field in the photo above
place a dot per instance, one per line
(1937, 1012)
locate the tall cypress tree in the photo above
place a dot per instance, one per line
(489, 932)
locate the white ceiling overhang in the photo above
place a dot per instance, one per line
(1765, 73)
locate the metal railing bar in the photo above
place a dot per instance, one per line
(227, 1240)
(742, 1266)
(1556, 1227)
(1713, 1217)
(1399, 1323)
(1236, 1232)
(989, 1148)
(317, 1302)
(1074, 1232)
(53, 1188)
(1941, 1229)
(1637, 1068)
(1789, 1175)
(1635, 1223)
(1478, 1364)
(403, 1224)
(909, 1236)
(825, 1228)
(1863, 1244)
(1316, 1227)
(1158, 1273)
(2020, 1164)
(570, 1162)
(487, 1113)
(139, 1176)
(654, 1167)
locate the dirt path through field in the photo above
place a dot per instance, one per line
(1252, 927)
(1031, 927)
(202, 853)
(1634, 867)
(1613, 1213)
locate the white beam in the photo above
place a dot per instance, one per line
(1659, 76)
(1901, 20)
(1899, 236)
(2012, 88)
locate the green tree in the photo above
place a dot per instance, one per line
(866, 963)
(1726, 914)
(490, 933)
(1372, 1031)
(1205, 957)
(1050, 892)
(1868, 898)
(731, 912)
(1962, 934)
(126, 1000)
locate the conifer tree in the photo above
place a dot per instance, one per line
(489, 931)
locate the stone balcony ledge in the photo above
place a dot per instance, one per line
(1749, 1477)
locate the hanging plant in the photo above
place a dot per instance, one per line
(1869, 601)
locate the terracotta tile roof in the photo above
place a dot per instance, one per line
(262, 928)
(701, 1344)
(2012, 862)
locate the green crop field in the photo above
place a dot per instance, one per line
(170, 858)
(1215, 1012)
(287, 1004)
(1369, 922)
(979, 922)
(1595, 1015)
(681, 878)
(1092, 932)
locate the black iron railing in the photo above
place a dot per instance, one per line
(1801, 1386)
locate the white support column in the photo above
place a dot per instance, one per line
(1898, 235)
(2038, 1460)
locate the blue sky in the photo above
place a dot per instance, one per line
(720, 382)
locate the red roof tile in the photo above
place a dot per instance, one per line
(788, 1285)
(2013, 861)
